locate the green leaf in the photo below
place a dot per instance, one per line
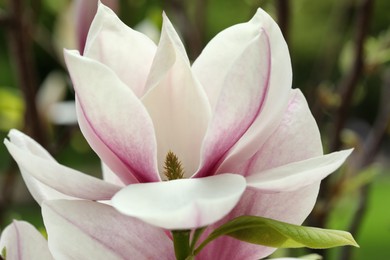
(273, 233)
(3, 255)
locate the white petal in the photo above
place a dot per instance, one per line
(21, 241)
(296, 175)
(127, 52)
(181, 204)
(176, 103)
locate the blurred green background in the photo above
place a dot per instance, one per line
(334, 45)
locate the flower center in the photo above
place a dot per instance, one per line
(173, 169)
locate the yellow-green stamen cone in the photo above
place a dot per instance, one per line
(172, 167)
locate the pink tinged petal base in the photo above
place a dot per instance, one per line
(240, 101)
(176, 103)
(63, 180)
(113, 120)
(91, 230)
(23, 242)
(119, 168)
(127, 52)
(181, 204)
(296, 175)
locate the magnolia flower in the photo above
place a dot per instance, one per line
(244, 142)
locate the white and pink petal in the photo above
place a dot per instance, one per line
(239, 103)
(48, 179)
(297, 175)
(91, 230)
(21, 241)
(280, 80)
(113, 120)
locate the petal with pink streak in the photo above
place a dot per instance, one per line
(127, 52)
(48, 172)
(291, 207)
(176, 103)
(113, 120)
(23, 242)
(119, 167)
(183, 203)
(280, 80)
(240, 101)
(91, 230)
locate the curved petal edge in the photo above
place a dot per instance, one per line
(296, 175)
(181, 204)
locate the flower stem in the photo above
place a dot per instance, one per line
(181, 243)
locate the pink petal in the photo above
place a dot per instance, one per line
(127, 52)
(183, 203)
(23, 242)
(240, 101)
(90, 230)
(43, 172)
(113, 120)
(176, 103)
(279, 80)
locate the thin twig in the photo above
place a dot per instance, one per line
(370, 150)
(283, 9)
(348, 84)
(191, 29)
(7, 189)
(21, 55)
(4, 19)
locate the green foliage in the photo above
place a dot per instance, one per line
(3, 255)
(273, 233)
(11, 109)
